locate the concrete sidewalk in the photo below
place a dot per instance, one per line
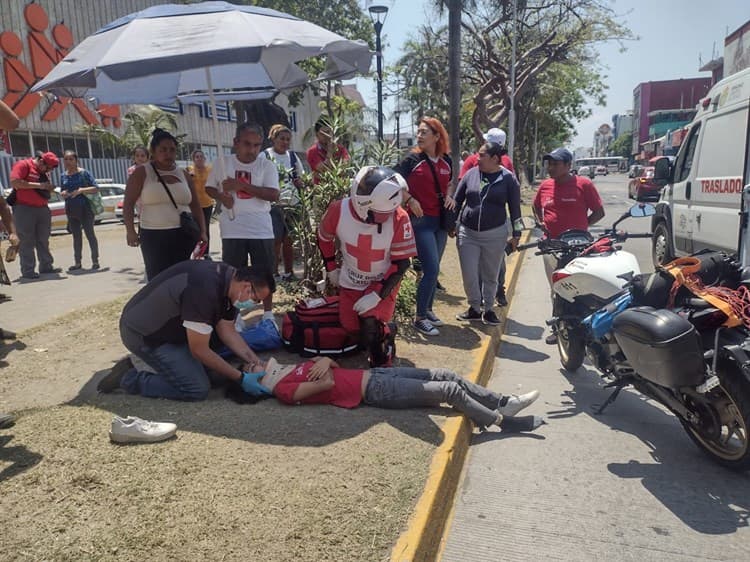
(34, 302)
(627, 485)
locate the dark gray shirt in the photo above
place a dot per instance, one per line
(190, 291)
(482, 199)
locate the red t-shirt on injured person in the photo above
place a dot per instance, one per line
(346, 393)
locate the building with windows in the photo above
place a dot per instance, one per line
(661, 107)
(35, 36)
(622, 123)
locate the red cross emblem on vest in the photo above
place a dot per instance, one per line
(365, 253)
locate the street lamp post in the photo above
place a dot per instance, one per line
(378, 12)
(512, 112)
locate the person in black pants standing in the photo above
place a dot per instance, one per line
(165, 191)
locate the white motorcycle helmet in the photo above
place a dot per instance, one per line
(375, 193)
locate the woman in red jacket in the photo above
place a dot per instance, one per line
(427, 171)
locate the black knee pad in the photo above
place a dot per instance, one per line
(378, 340)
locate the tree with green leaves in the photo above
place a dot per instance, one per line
(139, 125)
(622, 146)
(555, 53)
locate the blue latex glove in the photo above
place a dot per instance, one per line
(251, 385)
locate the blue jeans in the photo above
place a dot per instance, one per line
(409, 387)
(179, 376)
(430, 240)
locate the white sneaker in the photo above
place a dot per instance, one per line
(517, 403)
(136, 430)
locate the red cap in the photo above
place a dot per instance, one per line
(50, 159)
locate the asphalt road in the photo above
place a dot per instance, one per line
(625, 485)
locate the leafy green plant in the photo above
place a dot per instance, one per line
(406, 301)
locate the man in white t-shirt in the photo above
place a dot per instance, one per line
(250, 186)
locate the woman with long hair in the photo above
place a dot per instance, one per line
(427, 171)
(76, 184)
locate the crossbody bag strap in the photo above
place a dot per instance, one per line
(165, 186)
(434, 177)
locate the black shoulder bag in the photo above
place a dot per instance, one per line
(447, 216)
(188, 226)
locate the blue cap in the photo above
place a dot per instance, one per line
(561, 154)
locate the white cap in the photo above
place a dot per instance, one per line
(496, 135)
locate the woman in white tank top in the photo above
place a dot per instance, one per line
(161, 240)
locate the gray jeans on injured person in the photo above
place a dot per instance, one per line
(409, 387)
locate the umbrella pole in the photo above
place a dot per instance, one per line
(217, 134)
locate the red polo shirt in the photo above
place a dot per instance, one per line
(26, 170)
(565, 206)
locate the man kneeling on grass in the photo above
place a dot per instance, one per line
(323, 381)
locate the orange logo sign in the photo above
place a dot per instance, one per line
(44, 56)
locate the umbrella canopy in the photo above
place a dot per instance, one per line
(160, 55)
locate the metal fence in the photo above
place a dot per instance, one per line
(111, 168)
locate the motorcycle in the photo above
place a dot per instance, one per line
(659, 337)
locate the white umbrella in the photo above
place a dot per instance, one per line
(207, 51)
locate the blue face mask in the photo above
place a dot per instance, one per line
(251, 385)
(246, 305)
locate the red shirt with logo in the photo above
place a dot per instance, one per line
(26, 170)
(415, 169)
(473, 160)
(565, 206)
(346, 392)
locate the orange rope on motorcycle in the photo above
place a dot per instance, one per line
(734, 303)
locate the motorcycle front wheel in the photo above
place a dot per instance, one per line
(722, 432)
(571, 346)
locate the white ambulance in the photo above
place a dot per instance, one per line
(700, 205)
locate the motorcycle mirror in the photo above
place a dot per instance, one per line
(642, 210)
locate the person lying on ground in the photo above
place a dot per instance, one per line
(173, 325)
(323, 381)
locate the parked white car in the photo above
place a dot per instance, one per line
(112, 194)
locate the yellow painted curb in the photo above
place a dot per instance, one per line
(422, 539)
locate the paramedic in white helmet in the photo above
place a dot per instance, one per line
(377, 244)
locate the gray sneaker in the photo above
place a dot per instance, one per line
(425, 326)
(434, 320)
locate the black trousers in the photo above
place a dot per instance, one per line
(207, 213)
(163, 248)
